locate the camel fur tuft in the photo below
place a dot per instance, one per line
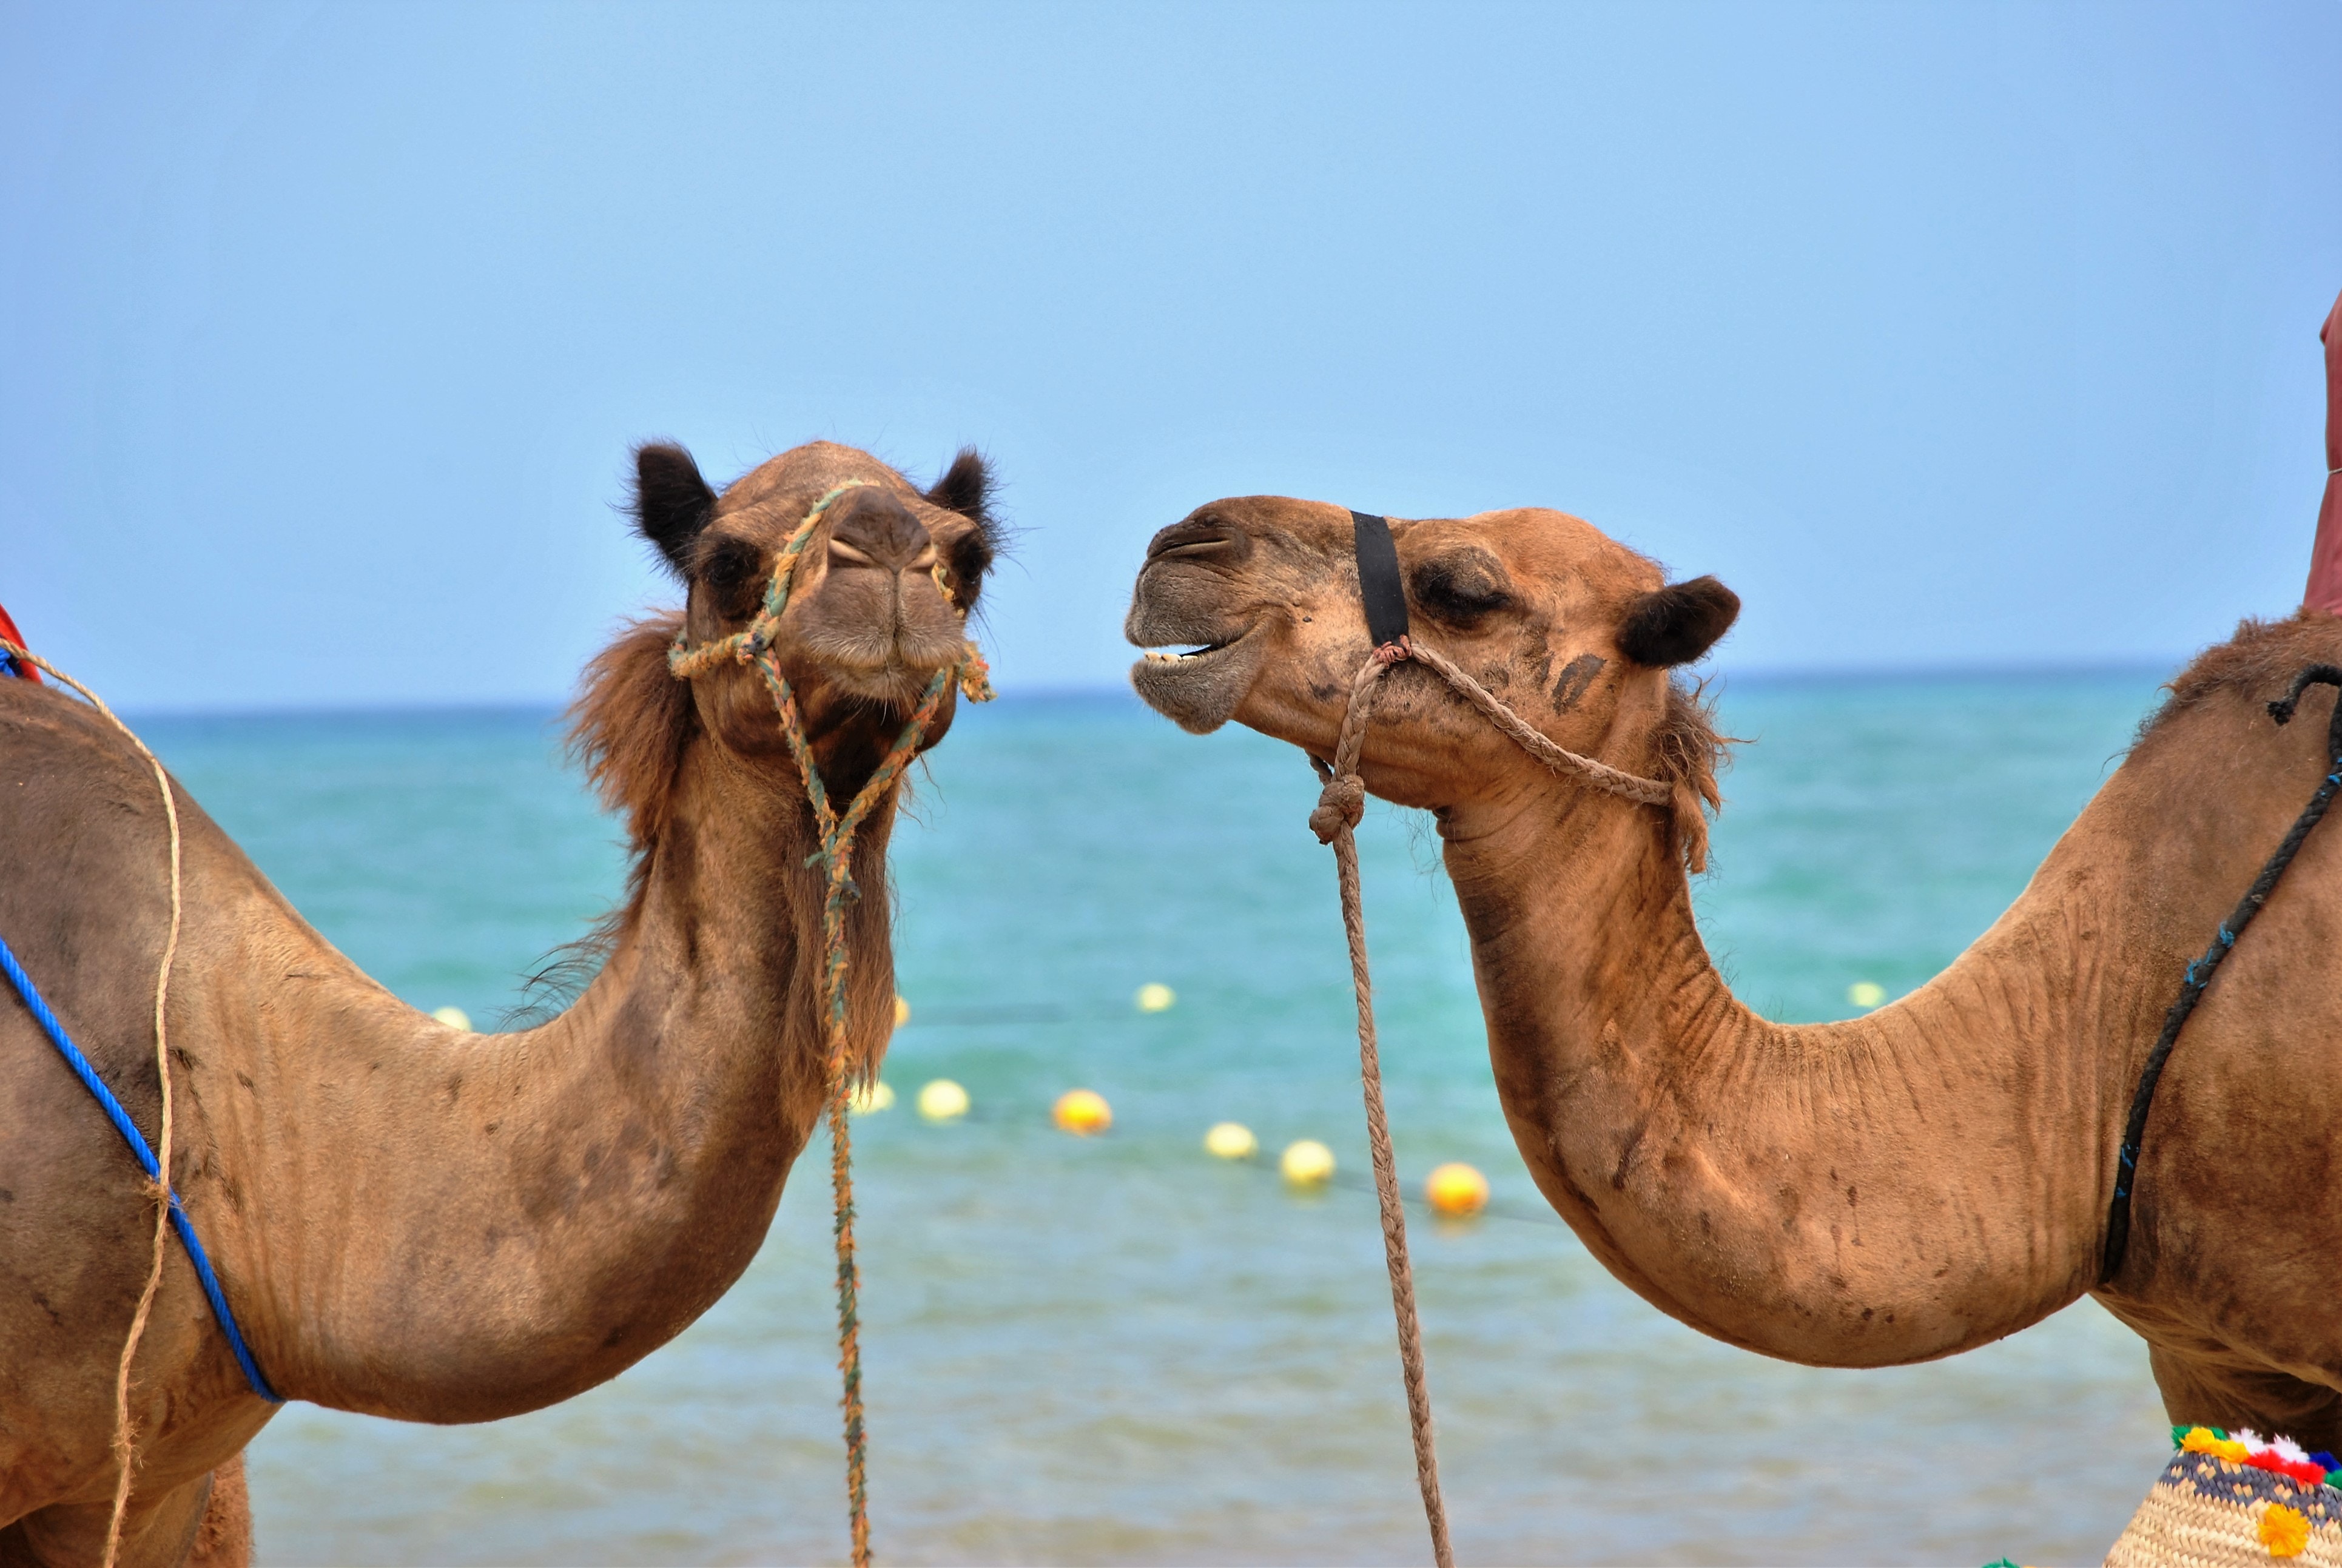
(2258, 662)
(630, 725)
(1690, 752)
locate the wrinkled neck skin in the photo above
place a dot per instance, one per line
(1860, 1193)
(449, 1227)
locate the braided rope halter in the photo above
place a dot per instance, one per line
(835, 830)
(1341, 804)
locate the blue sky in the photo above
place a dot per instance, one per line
(1949, 335)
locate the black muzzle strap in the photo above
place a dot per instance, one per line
(1379, 579)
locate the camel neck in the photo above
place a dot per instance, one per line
(459, 1227)
(1862, 1192)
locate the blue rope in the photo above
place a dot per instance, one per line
(146, 1157)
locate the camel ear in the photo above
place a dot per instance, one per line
(966, 487)
(672, 502)
(1678, 623)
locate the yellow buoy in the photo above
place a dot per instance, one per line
(942, 1099)
(1156, 997)
(902, 1011)
(455, 1018)
(1082, 1112)
(874, 1096)
(1456, 1188)
(1231, 1141)
(1307, 1162)
(1866, 993)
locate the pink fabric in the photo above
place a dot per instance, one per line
(2325, 591)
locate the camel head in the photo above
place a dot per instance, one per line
(878, 605)
(1250, 609)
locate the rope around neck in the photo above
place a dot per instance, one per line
(836, 832)
(159, 1188)
(2224, 941)
(1340, 806)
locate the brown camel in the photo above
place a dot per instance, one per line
(409, 1220)
(1899, 1186)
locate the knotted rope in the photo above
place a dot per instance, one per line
(158, 1188)
(836, 832)
(1340, 806)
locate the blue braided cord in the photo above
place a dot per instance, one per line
(145, 1154)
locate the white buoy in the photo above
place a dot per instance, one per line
(1866, 993)
(1231, 1141)
(453, 1017)
(1156, 997)
(1307, 1162)
(943, 1101)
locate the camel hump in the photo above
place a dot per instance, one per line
(84, 895)
(71, 785)
(2257, 664)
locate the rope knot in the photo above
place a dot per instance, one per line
(1396, 651)
(1341, 803)
(976, 675)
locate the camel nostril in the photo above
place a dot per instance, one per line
(1200, 540)
(880, 531)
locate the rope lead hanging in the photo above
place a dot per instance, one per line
(1339, 807)
(836, 832)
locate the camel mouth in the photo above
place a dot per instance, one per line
(896, 668)
(1198, 683)
(1175, 657)
(1201, 654)
(901, 685)
(872, 640)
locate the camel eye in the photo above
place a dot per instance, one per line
(730, 572)
(1459, 592)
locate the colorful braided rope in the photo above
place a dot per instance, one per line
(836, 832)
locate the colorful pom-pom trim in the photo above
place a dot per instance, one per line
(2280, 1456)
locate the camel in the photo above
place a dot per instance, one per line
(1902, 1185)
(409, 1220)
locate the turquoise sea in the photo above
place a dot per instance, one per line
(1122, 1350)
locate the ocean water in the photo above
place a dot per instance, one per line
(1121, 1350)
